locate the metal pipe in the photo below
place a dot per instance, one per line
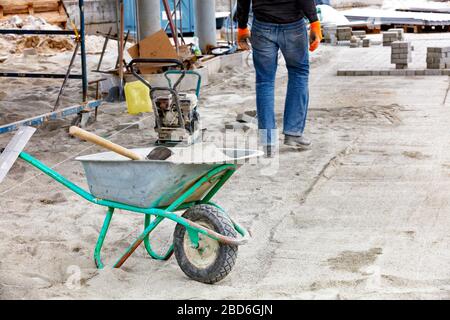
(69, 70)
(121, 46)
(36, 75)
(137, 21)
(171, 22)
(205, 24)
(38, 32)
(83, 51)
(176, 25)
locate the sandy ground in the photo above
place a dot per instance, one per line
(363, 214)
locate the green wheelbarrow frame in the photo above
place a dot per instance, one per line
(216, 176)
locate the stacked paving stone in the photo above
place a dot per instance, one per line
(393, 35)
(400, 33)
(401, 54)
(359, 34)
(389, 37)
(394, 72)
(344, 34)
(438, 58)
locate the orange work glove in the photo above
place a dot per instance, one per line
(243, 38)
(315, 36)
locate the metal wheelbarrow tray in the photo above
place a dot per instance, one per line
(206, 239)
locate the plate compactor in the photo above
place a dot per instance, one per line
(177, 120)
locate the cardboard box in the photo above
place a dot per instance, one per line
(156, 46)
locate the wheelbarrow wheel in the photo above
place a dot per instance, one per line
(211, 261)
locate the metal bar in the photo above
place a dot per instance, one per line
(227, 175)
(105, 46)
(232, 23)
(38, 32)
(176, 26)
(101, 239)
(69, 70)
(180, 5)
(197, 185)
(172, 26)
(240, 229)
(189, 72)
(36, 121)
(148, 245)
(38, 75)
(12, 151)
(121, 46)
(137, 20)
(138, 242)
(83, 51)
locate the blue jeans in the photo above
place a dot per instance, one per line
(267, 40)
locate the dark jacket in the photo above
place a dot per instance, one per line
(276, 11)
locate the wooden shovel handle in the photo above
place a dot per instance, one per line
(87, 136)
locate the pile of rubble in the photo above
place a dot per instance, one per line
(16, 44)
(28, 23)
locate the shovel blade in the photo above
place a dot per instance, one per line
(12, 151)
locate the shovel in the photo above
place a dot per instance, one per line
(158, 153)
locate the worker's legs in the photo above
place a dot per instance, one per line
(265, 59)
(294, 42)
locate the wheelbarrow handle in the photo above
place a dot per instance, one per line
(88, 136)
(134, 62)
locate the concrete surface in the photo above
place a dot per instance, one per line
(362, 215)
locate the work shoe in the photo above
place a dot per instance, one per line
(297, 142)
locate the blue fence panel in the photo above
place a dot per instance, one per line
(187, 12)
(130, 16)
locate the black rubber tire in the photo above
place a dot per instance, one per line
(227, 254)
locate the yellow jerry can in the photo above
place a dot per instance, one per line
(138, 98)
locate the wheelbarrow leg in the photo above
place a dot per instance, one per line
(138, 241)
(148, 245)
(101, 239)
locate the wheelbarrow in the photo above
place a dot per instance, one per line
(206, 238)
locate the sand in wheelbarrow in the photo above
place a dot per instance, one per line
(199, 153)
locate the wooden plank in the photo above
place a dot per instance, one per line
(12, 151)
(50, 10)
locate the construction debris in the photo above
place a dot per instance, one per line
(438, 58)
(155, 46)
(401, 54)
(27, 23)
(51, 11)
(43, 44)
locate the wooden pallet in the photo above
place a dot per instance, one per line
(51, 10)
